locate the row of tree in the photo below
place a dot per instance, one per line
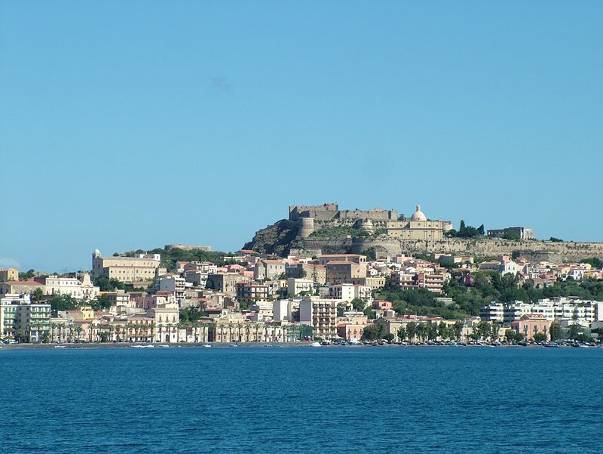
(414, 331)
(482, 331)
(466, 231)
(67, 302)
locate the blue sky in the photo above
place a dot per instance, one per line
(134, 124)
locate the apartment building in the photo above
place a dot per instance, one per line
(225, 282)
(269, 269)
(344, 272)
(23, 320)
(321, 314)
(348, 292)
(173, 284)
(297, 286)
(563, 308)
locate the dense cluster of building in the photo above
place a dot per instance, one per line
(255, 298)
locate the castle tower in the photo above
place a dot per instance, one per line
(306, 228)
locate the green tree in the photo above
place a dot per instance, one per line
(411, 331)
(595, 262)
(555, 331)
(191, 314)
(37, 296)
(432, 331)
(358, 304)
(100, 303)
(27, 275)
(402, 333)
(511, 235)
(574, 331)
(422, 331)
(370, 313)
(443, 331)
(458, 330)
(389, 337)
(483, 330)
(513, 336)
(62, 303)
(540, 337)
(372, 332)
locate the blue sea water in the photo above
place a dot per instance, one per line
(301, 399)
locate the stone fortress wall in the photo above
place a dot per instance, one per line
(314, 217)
(311, 218)
(533, 249)
(330, 212)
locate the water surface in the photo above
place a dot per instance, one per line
(302, 399)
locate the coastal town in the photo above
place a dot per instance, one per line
(190, 294)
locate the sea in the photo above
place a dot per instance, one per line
(301, 399)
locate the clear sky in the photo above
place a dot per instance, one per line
(134, 124)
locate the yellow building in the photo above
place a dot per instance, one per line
(129, 270)
(233, 327)
(9, 274)
(419, 227)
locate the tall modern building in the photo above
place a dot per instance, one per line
(22, 320)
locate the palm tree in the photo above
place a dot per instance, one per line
(411, 331)
(52, 331)
(78, 331)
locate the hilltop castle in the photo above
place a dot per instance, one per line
(313, 218)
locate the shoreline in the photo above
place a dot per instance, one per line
(106, 345)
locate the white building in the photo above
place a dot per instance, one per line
(321, 314)
(580, 311)
(295, 286)
(23, 320)
(284, 310)
(348, 292)
(494, 312)
(263, 310)
(173, 284)
(167, 317)
(71, 286)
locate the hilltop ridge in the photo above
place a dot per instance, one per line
(310, 230)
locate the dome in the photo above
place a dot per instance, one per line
(418, 215)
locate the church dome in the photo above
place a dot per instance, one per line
(418, 215)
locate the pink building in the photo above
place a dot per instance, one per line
(382, 304)
(531, 324)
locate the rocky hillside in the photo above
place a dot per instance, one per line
(275, 239)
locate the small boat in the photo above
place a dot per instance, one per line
(315, 344)
(206, 346)
(143, 346)
(164, 346)
(59, 346)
